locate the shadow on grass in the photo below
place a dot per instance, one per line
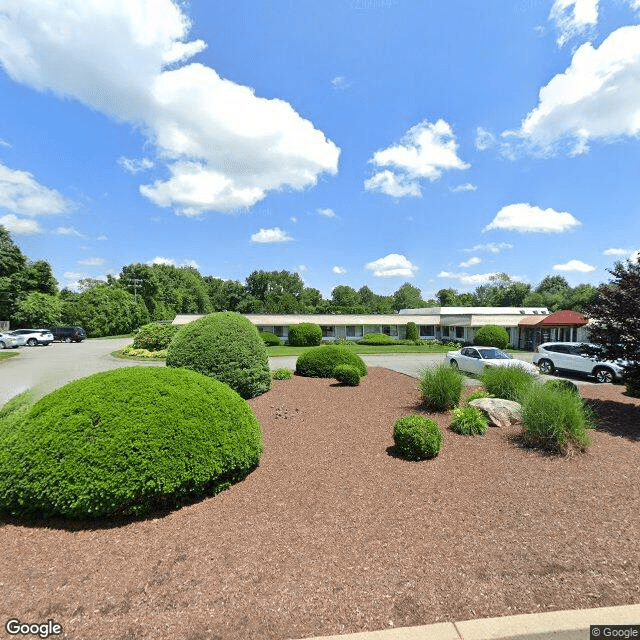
(617, 418)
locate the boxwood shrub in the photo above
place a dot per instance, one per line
(347, 374)
(412, 331)
(377, 338)
(322, 361)
(125, 442)
(491, 335)
(305, 334)
(225, 346)
(270, 339)
(417, 438)
(154, 336)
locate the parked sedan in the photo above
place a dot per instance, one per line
(35, 337)
(475, 359)
(575, 357)
(8, 341)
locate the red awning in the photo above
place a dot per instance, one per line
(565, 318)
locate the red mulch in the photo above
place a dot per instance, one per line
(332, 534)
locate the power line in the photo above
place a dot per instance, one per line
(135, 283)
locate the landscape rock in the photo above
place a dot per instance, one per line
(501, 413)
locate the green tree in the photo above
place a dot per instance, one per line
(12, 262)
(38, 310)
(269, 286)
(447, 297)
(555, 292)
(37, 276)
(408, 297)
(344, 296)
(582, 296)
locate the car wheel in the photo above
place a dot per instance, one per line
(604, 375)
(454, 364)
(2, 345)
(546, 366)
(32, 342)
(67, 340)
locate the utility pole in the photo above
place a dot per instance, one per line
(135, 283)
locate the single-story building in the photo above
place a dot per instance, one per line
(561, 326)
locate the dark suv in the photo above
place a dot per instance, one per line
(68, 334)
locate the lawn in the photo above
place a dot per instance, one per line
(6, 356)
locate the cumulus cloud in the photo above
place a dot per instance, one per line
(424, 153)
(92, 262)
(327, 213)
(474, 279)
(67, 231)
(134, 166)
(491, 247)
(617, 252)
(573, 17)
(20, 226)
(224, 147)
(271, 235)
(172, 262)
(574, 265)
(21, 193)
(596, 98)
(467, 186)
(391, 266)
(339, 270)
(470, 262)
(525, 218)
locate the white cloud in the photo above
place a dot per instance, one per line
(271, 235)
(467, 186)
(4, 143)
(635, 256)
(20, 226)
(339, 270)
(574, 265)
(525, 218)
(491, 247)
(301, 268)
(293, 219)
(20, 192)
(134, 166)
(425, 152)
(92, 262)
(102, 237)
(484, 139)
(470, 262)
(617, 252)
(327, 213)
(67, 231)
(573, 17)
(392, 265)
(224, 147)
(596, 98)
(172, 262)
(340, 82)
(475, 279)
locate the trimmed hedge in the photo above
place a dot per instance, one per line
(491, 335)
(412, 331)
(417, 438)
(154, 336)
(377, 338)
(305, 334)
(125, 442)
(347, 374)
(225, 346)
(322, 361)
(270, 339)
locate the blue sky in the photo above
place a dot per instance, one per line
(357, 142)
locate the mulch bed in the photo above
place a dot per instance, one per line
(334, 534)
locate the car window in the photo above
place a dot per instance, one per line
(493, 354)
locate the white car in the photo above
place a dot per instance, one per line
(573, 356)
(475, 359)
(34, 337)
(8, 341)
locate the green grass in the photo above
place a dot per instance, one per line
(121, 356)
(441, 387)
(8, 354)
(124, 335)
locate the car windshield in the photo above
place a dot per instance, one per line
(494, 354)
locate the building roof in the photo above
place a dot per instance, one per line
(271, 319)
(564, 318)
(477, 311)
(530, 321)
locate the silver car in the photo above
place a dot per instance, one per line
(34, 337)
(573, 356)
(7, 341)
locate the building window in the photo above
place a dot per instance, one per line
(459, 332)
(390, 330)
(279, 331)
(427, 331)
(328, 331)
(445, 331)
(354, 331)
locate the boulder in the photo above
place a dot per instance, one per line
(501, 413)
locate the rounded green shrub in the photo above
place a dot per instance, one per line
(469, 421)
(305, 334)
(270, 339)
(477, 395)
(377, 338)
(225, 346)
(441, 387)
(491, 335)
(508, 383)
(322, 361)
(282, 374)
(154, 336)
(125, 442)
(563, 384)
(347, 374)
(556, 419)
(412, 331)
(417, 438)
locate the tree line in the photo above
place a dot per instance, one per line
(140, 293)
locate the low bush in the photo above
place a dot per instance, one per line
(491, 335)
(441, 387)
(347, 374)
(225, 346)
(412, 331)
(154, 336)
(125, 442)
(417, 438)
(556, 419)
(321, 361)
(476, 395)
(377, 338)
(282, 374)
(270, 339)
(564, 384)
(469, 421)
(305, 334)
(143, 354)
(12, 412)
(509, 383)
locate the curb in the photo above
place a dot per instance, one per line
(552, 625)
